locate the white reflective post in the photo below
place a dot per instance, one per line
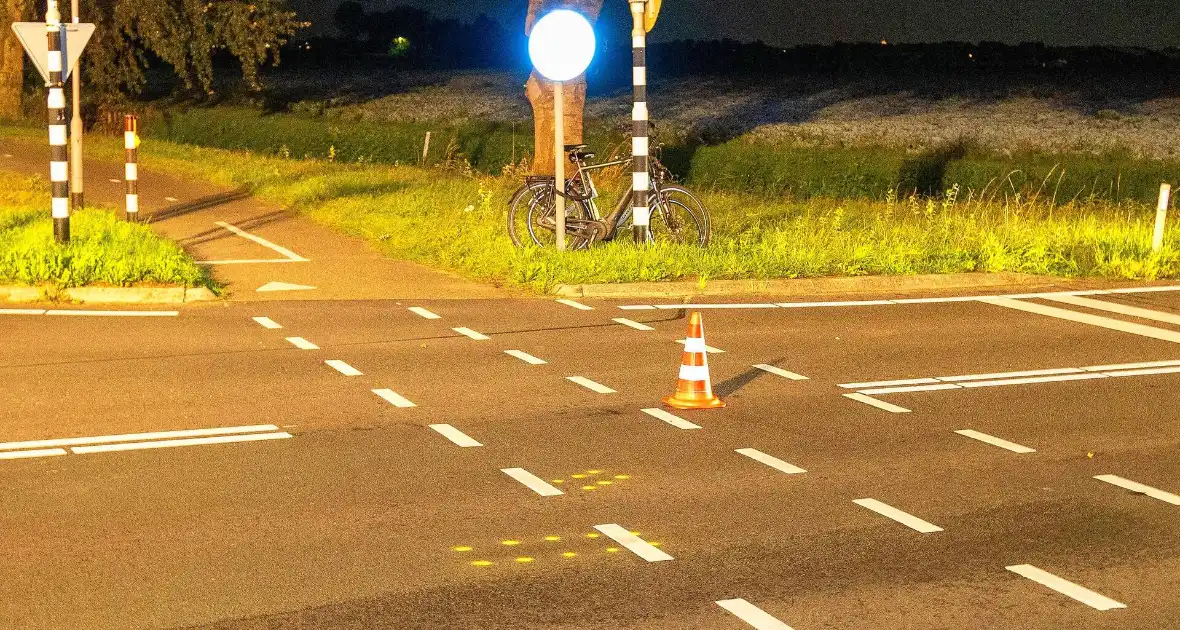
(1161, 217)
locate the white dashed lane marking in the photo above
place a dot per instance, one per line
(454, 435)
(393, 398)
(532, 482)
(171, 199)
(1065, 587)
(302, 344)
(591, 385)
(633, 543)
(674, 420)
(632, 324)
(267, 323)
(421, 312)
(343, 368)
(879, 404)
(753, 615)
(890, 512)
(771, 461)
(781, 372)
(577, 305)
(467, 332)
(1134, 486)
(995, 441)
(526, 357)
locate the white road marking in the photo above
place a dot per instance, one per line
(591, 385)
(1032, 380)
(172, 199)
(119, 181)
(69, 313)
(526, 357)
(781, 372)
(995, 441)
(674, 420)
(282, 251)
(879, 404)
(909, 388)
(393, 398)
(890, 512)
(131, 437)
(1130, 366)
(220, 439)
(44, 452)
(273, 287)
(1086, 318)
(250, 261)
(1065, 587)
(455, 435)
(771, 461)
(751, 614)
(22, 311)
(835, 304)
(908, 381)
(677, 307)
(343, 368)
(633, 324)
(532, 482)
(1134, 486)
(577, 305)
(708, 349)
(999, 375)
(1111, 307)
(639, 307)
(471, 333)
(267, 323)
(633, 543)
(418, 310)
(1144, 372)
(302, 344)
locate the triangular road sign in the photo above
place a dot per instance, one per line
(282, 286)
(35, 39)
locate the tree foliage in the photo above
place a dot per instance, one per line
(184, 34)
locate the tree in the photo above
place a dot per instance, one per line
(184, 34)
(540, 91)
(12, 61)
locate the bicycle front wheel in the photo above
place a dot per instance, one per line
(677, 216)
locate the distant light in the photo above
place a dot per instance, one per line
(970, 55)
(562, 45)
(884, 42)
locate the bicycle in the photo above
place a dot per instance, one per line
(676, 214)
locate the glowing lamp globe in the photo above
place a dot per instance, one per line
(562, 45)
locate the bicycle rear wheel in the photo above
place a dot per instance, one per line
(532, 217)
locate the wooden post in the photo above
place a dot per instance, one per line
(1161, 217)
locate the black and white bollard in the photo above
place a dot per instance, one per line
(641, 181)
(131, 174)
(59, 165)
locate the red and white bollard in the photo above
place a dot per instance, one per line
(131, 144)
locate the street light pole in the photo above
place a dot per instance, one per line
(76, 195)
(641, 180)
(559, 160)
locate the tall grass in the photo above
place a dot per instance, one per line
(102, 250)
(457, 222)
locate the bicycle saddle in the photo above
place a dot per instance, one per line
(578, 153)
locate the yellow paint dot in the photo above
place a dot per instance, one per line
(481, 563)
(612, 549)
(592, 535)
(559, 481)
(622, 476)
(524, 559)
(510, 543)
(589, 487)
(569, 554)
(654, 544)
(553, 538)
(578, 476)
(605, 483)
(593, 472)
(461, 548)
(634, 533)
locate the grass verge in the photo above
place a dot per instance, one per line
(457, 222)
(102, 251)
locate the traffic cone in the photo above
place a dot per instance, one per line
(694, 390)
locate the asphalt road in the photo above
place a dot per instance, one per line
(366, 517)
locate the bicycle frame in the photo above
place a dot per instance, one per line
(591, 193)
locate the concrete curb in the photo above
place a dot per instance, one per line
(809, 286)
(107, 295)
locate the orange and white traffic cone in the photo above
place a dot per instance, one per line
(694, 390)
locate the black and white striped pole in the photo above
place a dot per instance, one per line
(131, 170)
(641, 180)
(59, 165)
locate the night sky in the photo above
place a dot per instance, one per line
(1153, 23)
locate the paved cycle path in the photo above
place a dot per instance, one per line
(251, 244)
